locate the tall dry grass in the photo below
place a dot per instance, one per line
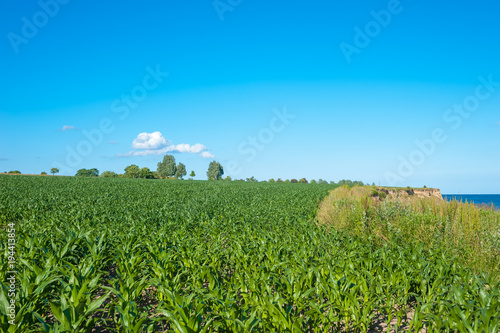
(464, 230)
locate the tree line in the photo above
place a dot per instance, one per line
(166, 169)
(347, 182)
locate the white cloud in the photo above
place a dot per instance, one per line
(149, 141)
(68, 128)
(155, 144)
(186, 148)
(207, 154)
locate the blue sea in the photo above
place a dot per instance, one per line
(477, 199)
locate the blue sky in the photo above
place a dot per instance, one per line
(396, 93)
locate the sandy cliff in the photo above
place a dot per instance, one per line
(420, 193)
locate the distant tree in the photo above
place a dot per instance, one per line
(192, 174)
(272, 180)
(321, 181)
(228, 179)
(16, 172)
(82, 173)
(294, 181)
(215, 171)
(155, 175)
(44, 173)
(87, 173)
(287, 181)
(167, 168)
(303, 181)
(53, 171)
(145, 173)
(425, 186)
(108, 174)
(332, 182)
(251, 179)
(279, 180)
(313, 181)
(345, 182)
(180, 171)
(132, 171)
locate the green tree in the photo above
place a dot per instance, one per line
(145, 173)
(215, 171)
(192, 174)
(82, 173)
(87, 173)
(271, 180)
(180, 171)
(228, 179)
(303, 181)
(294, 181)
(43, 173)
(167, 167)
(108, 174)
(132, 171)
(313, 181)
(54, 171)
(16, 172)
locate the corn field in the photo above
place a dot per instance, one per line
(130, 255)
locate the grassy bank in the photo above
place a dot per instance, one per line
(462, 230)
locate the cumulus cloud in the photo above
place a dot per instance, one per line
(207, 154)
(155, 144)
(68, 128)
(149, 141)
